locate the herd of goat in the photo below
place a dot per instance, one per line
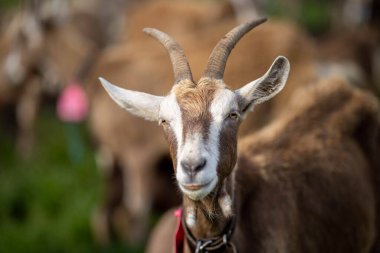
(302, 174)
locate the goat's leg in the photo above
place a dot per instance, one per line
(137, 193)
(102, 215)
(26, 112)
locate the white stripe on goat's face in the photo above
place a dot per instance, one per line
(201, 122)
(195, 119)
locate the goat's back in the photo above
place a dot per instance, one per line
(306, 182)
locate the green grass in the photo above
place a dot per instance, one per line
(9, 3)
(313, 15)
(46, 201)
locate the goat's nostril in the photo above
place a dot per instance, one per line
(186, 166)
(201, 165)
(192, 167)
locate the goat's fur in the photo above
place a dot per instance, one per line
(136, 68)
(38, 56)
(308, 181)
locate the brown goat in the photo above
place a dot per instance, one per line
(306, 184)
(116, 132)
(309, 181)
(42, 50)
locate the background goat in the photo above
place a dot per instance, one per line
(46, 45)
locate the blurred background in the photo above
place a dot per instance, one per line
(77, 174)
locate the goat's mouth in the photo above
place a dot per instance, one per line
(195, 187)
(197, 191)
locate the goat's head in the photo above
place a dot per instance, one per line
(27, 34)
(201, 120)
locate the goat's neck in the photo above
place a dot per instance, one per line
(209, 217)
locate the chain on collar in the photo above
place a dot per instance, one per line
(214, 243)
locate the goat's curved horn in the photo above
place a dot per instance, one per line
(180, 64)
(218, 58)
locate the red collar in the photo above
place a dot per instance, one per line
(179, 238)
(202, 245)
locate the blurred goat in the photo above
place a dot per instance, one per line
(356, 21)
(46, 45)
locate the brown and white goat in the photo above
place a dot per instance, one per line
(307, 164)
(286, 194)
(132, 155)
(136, 146)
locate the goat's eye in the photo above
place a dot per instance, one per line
(233, 115)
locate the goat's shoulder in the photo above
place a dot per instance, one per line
(321, 125)
(305, 166)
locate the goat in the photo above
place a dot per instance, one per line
(45, 47)
(304, 186)
(42, 54)
(351, 116)
(121, 145)
(116, 133)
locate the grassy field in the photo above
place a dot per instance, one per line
(46, 201)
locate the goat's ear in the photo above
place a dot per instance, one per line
(138, 103)
(266, 86)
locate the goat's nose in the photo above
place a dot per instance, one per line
(191, 167)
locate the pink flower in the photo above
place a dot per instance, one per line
(72, 105)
